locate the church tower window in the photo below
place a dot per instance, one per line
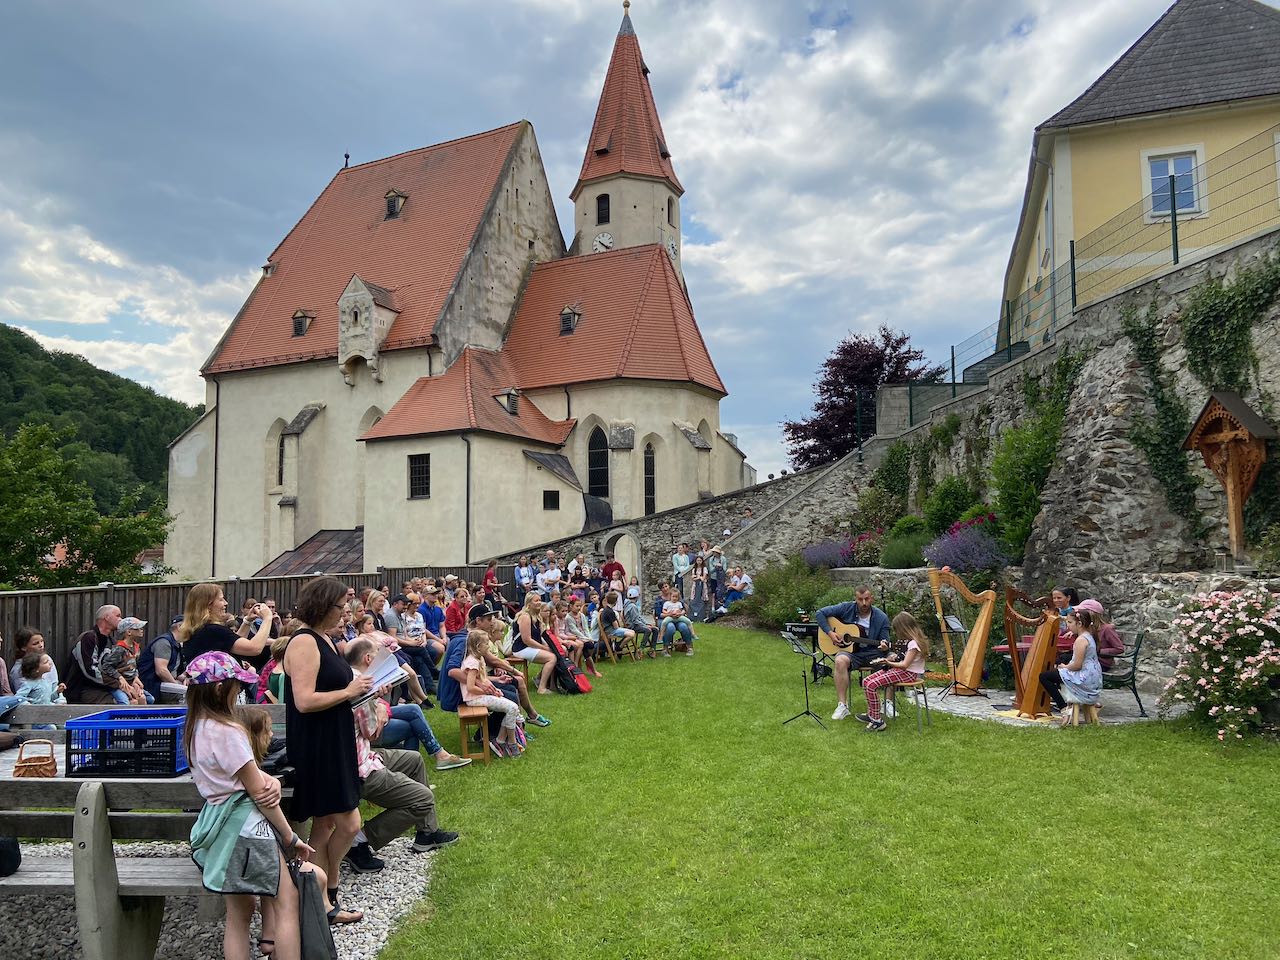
(602, 208)
(650, 481)
(598, 464)
(280, 461)
(671, 211)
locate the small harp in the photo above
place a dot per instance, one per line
(1030, 697)
(966, 675)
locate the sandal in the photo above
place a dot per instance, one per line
(337, 918)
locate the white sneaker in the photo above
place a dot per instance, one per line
(842, 711)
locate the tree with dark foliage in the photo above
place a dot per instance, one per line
(858, 365)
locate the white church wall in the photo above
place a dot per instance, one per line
(327, 487)
(400, 531)
(187, 549)
(520, 225)
(507, 506)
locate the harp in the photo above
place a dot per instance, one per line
(1030, 697)
(967, 674)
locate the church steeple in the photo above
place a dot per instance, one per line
(627, 192)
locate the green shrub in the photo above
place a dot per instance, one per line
(901, 553)
(950, 498)
(1267, 555)
(906, 526)
(1019, 469)
(976, 511)
(833, 596)
(894, 602)
(894, 472)
(879, 509)
(781, 592)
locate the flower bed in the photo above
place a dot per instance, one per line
(1228, 650)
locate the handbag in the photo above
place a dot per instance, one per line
(40, 766)
(313, 922)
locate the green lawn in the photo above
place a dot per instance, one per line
(670, 814)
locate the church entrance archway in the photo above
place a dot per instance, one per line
(624, 545)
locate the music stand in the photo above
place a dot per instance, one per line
(953, 626)
(798, 646)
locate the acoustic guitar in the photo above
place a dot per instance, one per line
(843, 638)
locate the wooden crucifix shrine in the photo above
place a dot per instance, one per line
(1233, 441)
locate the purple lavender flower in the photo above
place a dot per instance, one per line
(967, 550)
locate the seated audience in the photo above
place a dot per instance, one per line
(674, 621)
(906, 669)
(36, 687)
(84, 679)
(478, 691)
(578, 627)
(646, 632)
(161, 661)
(204, 628)
(29, 640)
(612, 632)
(527, 643)
(119, 664)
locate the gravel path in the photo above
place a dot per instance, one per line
(44, 928)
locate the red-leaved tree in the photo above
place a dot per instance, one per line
(857, 366)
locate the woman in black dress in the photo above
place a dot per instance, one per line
(320, 731)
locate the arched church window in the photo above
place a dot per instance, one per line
(671, 211)
(602, 208)
(650, 481)
(280, 461)
(597, 464)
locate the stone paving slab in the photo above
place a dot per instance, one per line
(1118, 706)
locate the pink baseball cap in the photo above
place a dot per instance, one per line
(1092, 605)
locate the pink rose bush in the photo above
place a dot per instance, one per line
(1228, 650)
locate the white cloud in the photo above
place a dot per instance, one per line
(149, 319)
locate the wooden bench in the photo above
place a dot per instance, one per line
(479, 718)
(119, 903)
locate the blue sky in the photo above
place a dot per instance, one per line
(846, 164)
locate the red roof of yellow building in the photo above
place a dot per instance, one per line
(469, 396)
(627, 134)
(416, 255)
(635, 321)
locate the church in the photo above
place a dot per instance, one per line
(426, 373)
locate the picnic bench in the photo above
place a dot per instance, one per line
(119, 901)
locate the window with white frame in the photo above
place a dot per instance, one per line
(1186, 189)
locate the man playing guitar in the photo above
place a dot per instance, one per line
(872, 644)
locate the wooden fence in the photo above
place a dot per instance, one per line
(62, 615)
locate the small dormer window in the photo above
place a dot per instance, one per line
(569, 318)
(268, 269)
(510, 401)
(395, 203)
(301, 320)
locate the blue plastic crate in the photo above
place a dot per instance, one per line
(127, 743)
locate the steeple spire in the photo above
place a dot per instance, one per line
(627, 134)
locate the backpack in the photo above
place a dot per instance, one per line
(567, 678)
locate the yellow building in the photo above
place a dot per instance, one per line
(1196, 98)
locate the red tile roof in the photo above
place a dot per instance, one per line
(627, 134)
(416, 255)
(636, 322)
(467, 397)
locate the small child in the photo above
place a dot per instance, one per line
(37, 687)
(675, 622)
(478, 691)
(119, 665)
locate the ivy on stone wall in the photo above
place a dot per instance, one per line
(1160, 437)
(894, 472)
(1026, 454)
(977, 444)
(1217, 325)
(922, 467)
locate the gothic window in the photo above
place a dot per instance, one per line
(650, 481)
(597, 464)
(280, 461)
(602, 208)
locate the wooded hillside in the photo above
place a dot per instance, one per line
(121, 429)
